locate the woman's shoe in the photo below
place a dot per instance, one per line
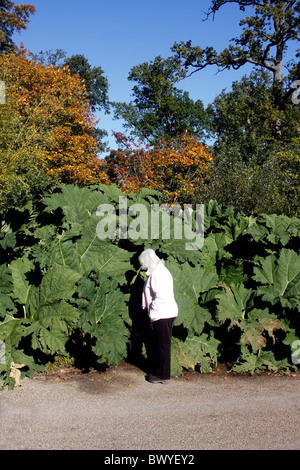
(156, 380)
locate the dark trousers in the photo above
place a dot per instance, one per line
(162, 330)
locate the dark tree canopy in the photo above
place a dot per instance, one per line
(263, 42)
(95, 82)
(159, 109)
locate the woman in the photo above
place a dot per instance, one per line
(158, 298)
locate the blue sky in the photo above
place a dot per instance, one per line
(119, 34)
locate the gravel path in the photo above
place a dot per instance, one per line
(119, 410)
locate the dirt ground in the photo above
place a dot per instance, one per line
(119, 410)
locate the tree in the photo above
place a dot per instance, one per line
(176, 167)
(159, 109)
(244, 120)
(263, 42)
(46, 128)
(12, 18)
(92, 78)
(251, 187)
(96, 83)
(256, 123)
(254, 167)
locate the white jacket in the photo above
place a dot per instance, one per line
(158, 294)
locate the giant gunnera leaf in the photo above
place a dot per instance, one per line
(51, 315)
(6, 288)
(102, 314)
(80, 249)
(279, 279)
(189, 283)
(195, 351)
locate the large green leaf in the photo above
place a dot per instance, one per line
(279, 279)
(102, 254)
(275, 229)
(61, 251)
(256, 326)
(279, 227)
(99, 297)
(7, 237)
(262, 361)
(111, 340)
(58, 283)
(195, 351)
(51, 326)
(20, 269)
(79, 247)
(71, 197)
(6, 289)
(11, 332)
(234, 302)
(216, 241)
(82, 251)
(189, 283)
(51, 316)
(235, 226)
(102, 314)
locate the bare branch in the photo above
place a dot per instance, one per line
(217, 4)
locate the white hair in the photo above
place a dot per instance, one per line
(148, 259)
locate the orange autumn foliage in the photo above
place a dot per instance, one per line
(12, 18)
(51, 123)
(176, 167)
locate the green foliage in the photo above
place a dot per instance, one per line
(244, 118)
(6, 289)
(238, 296)
(51, 315)
(256, 123)
(160, 110)
(95, 82)
(256, 164)
(102, 314)
(279, 279)
(263, 42)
